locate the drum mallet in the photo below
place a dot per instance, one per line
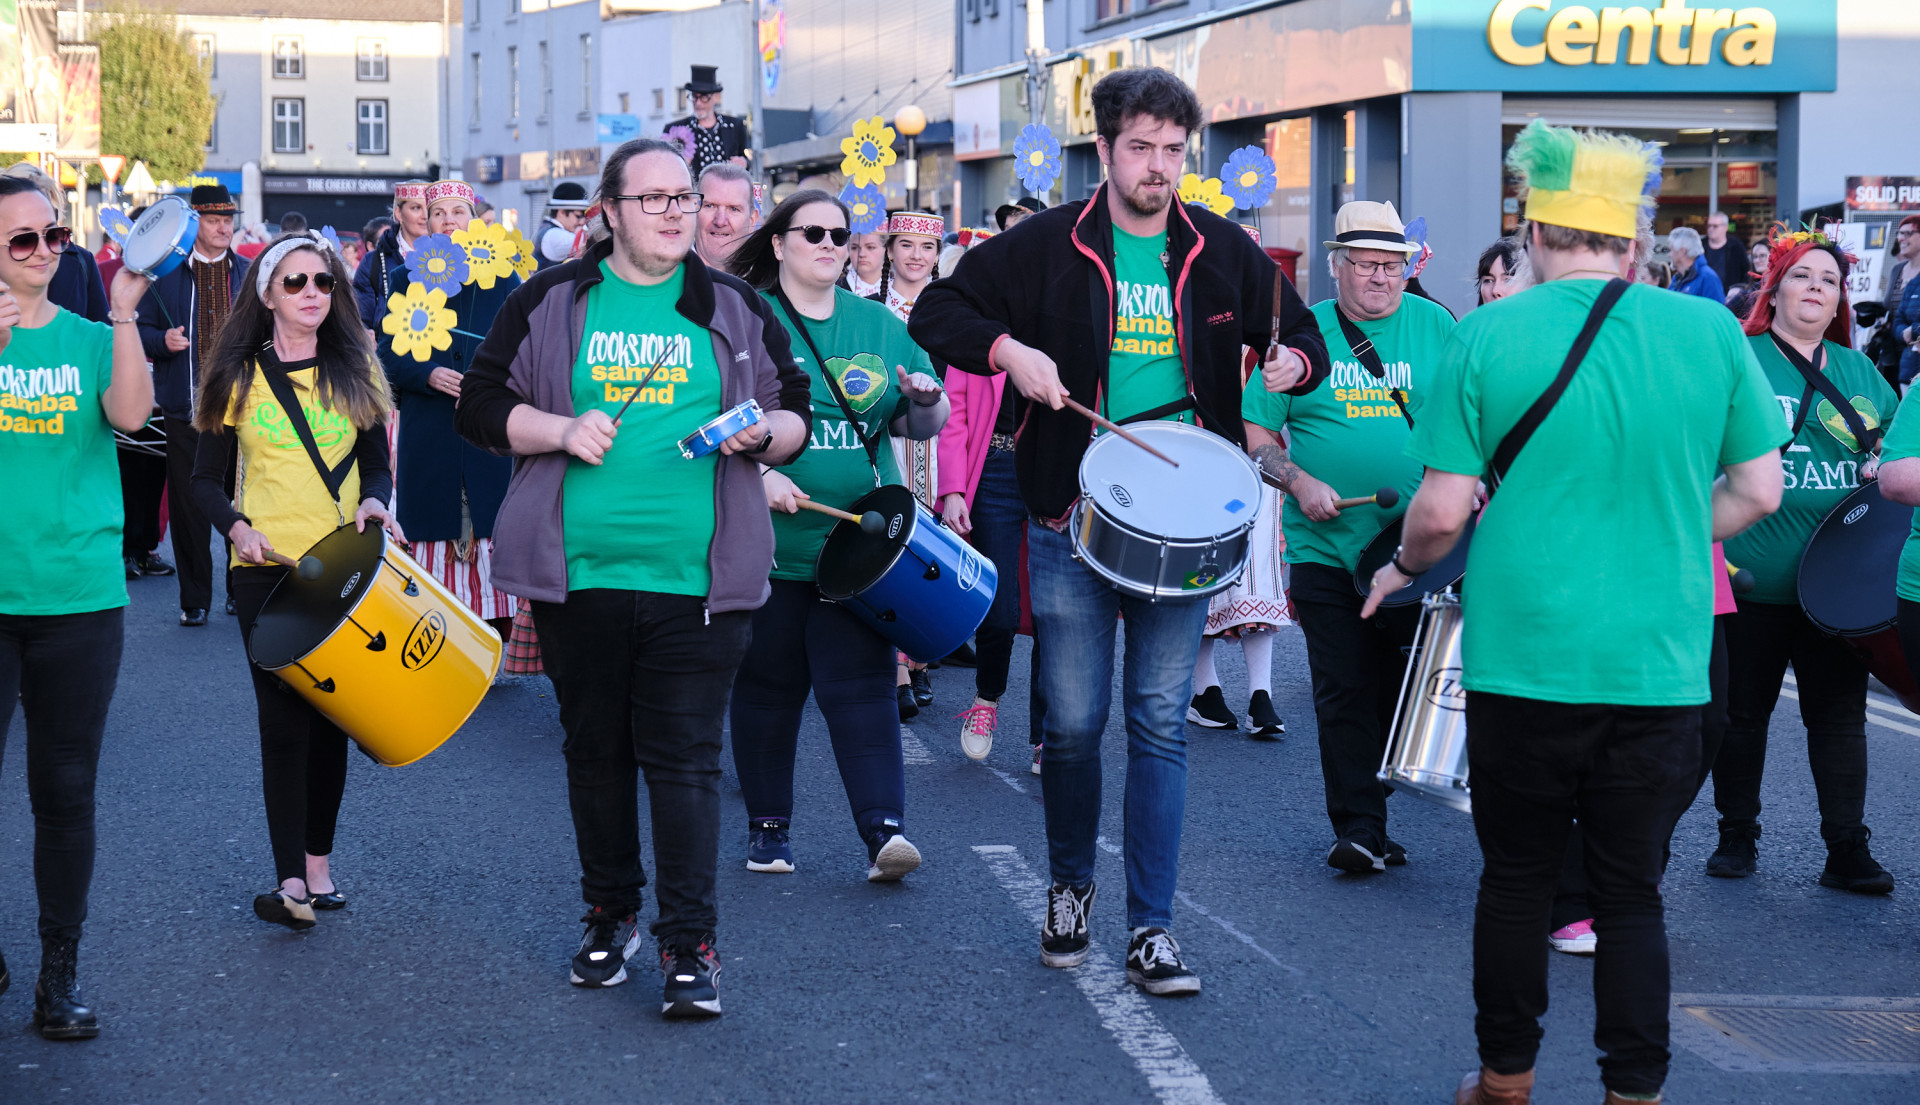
(308, 568)
(1113, 427)
(869, 523)
(1385, 497)
(1740, 579)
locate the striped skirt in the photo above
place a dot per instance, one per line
(470, 579)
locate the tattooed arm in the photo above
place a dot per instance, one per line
(1316, 499)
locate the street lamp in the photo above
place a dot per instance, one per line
(910, 121)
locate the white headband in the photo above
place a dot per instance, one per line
(270, 260)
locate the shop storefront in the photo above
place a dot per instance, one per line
(345, 203)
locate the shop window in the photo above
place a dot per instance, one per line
(289, 126)
(1286, 221)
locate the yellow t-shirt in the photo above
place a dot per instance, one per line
(278, 488)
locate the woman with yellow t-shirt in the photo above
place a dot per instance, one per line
(295, 323)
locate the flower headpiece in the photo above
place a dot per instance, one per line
(1586, 180)
(1782, 237)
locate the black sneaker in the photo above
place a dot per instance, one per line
(1850, 866)
(1063, 935)
(890, 855)
(605, 948)
(1262, 720)
(909, 709)
(150, 564)
(768, 848)
(962, 657)
(1737, 855)
(1396, 853)
(690, 964)
(1153, 964)
(1357, 855)
(132, 566)
(1209, 708)
(922, 685)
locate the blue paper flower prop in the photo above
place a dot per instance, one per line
(869, 207)
(115, 222)
(1248, 177)
(1036, 158)
(333, 238)
(437, 263)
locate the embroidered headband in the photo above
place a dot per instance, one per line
(270, 260)
(410, 190)
(449, 189)
(917, 222)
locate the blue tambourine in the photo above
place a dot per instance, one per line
(709, 437)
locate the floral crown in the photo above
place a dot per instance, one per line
(1782, 236)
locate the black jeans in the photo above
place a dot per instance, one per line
(1625, 772)
(192, 533)
(303, 756)
(62, 669)
(1357, 669)
(643, 681)
(143, 479)
(1832, 684)
(802, 642)
(999, 519)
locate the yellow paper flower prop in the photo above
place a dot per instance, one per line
(419, 322)
(869, 152)
(489, 253)
(524, 261)
(1206, 193)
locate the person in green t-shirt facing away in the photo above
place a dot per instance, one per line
(643, 566)
(1349, 439)
(1589, 593)
(859, 359)
(65, 385)
(1799, 328)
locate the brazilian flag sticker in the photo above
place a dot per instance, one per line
(863, 379)
(1836, 423)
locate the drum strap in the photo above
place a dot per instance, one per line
(1369, 357)
(1814, 372)
(871, 446)
(282, 387)
(1517, 437)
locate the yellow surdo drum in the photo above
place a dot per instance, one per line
(378, 646)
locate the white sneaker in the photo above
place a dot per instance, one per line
(976, 728)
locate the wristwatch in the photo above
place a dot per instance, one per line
(765, 443)
(1399, 567)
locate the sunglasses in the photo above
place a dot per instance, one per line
(22, 245)
(293, 282)
(814, 234)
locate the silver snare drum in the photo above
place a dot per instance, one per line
(1428, 753)
(1160, 532)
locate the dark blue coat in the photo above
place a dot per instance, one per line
(76, 285)
(169, 303)
(372, 282)
(1903, 322)
(434, 463)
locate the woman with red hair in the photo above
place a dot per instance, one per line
(1837, 404)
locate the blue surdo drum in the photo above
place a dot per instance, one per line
(916, 582)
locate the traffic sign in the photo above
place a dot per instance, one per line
(111, 164)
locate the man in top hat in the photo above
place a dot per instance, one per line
(566, 211)
(180, 319)
(1007, 214)
(373, 280)
(716, 137)
(1349, 439)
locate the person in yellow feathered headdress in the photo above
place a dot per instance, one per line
(1584, 679)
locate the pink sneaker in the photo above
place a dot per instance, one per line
(1576, 939)
(976, 728)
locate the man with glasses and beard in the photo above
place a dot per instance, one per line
(643, 567)
(1046, 306)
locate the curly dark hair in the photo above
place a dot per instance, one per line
(1125, 93)
(754, 261)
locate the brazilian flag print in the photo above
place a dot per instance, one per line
(1836, 423)
(862, 379)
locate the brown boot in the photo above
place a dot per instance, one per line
(1616, 1099)
(1484, 1087)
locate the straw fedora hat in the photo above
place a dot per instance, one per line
(1364, 224)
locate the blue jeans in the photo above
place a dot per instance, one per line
(999, 515)
(1074, 615)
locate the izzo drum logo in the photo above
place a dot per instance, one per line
(352, 582)
(423, 643)
(1854, 515)
(1444, 690)
(970, 569)
(1120, 494)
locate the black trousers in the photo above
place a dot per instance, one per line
(1357, 667)
(1625, 772)
(643, 681)
(62, 669)
(1832, 684)
(143, 480)
(192, 533)
(303, 756)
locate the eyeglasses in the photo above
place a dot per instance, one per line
(293, 282)
(655, 203)
(698, 96)
(22, 245)
(1368, 268)
(814, 234)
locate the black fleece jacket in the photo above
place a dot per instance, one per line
(1048, 283)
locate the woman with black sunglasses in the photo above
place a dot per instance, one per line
(294, 323)
(861, 361)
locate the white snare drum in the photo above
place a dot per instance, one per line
(1427, 755)
(161, 238)
(1160, 532)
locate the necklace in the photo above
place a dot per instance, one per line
(1603, 272)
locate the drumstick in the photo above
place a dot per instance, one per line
(869, 522)
(307, 567)
(1740, 579)
(643, 382)
(1385, 497)
(1115, 428)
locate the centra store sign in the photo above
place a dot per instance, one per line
(1667, 46)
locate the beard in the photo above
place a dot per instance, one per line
(1147, 206)
(651, 255)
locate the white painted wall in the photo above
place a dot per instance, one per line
(1865, 127)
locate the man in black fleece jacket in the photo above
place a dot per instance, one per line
(1136, 305)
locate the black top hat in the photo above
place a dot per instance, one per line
(1032, 205)
(567, 196)
(706, 78)
(212, 199)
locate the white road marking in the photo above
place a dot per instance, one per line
(1007, 779)
(1874, 701)
(1113, 849)
(1887, 715)
(1175, 1078)
(911, 750)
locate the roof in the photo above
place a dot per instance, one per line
(388, 11)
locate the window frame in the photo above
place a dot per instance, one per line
(297, 119)
(476, 103)
(290, 67)
(586, 75)
(513, 84)
(544, 52)
(206, 48)
(363, 59)
(360, 122)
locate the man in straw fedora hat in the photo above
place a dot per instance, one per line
(1589, 617)
(1349, 439)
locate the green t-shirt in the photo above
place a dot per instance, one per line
(1903, 443)
(863, 342)
(643, 519)
(1591, 575)
(61, 539)
(1348, 433)
(1821, 466)
(1143, 369)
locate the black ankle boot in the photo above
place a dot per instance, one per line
(58, 1012)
